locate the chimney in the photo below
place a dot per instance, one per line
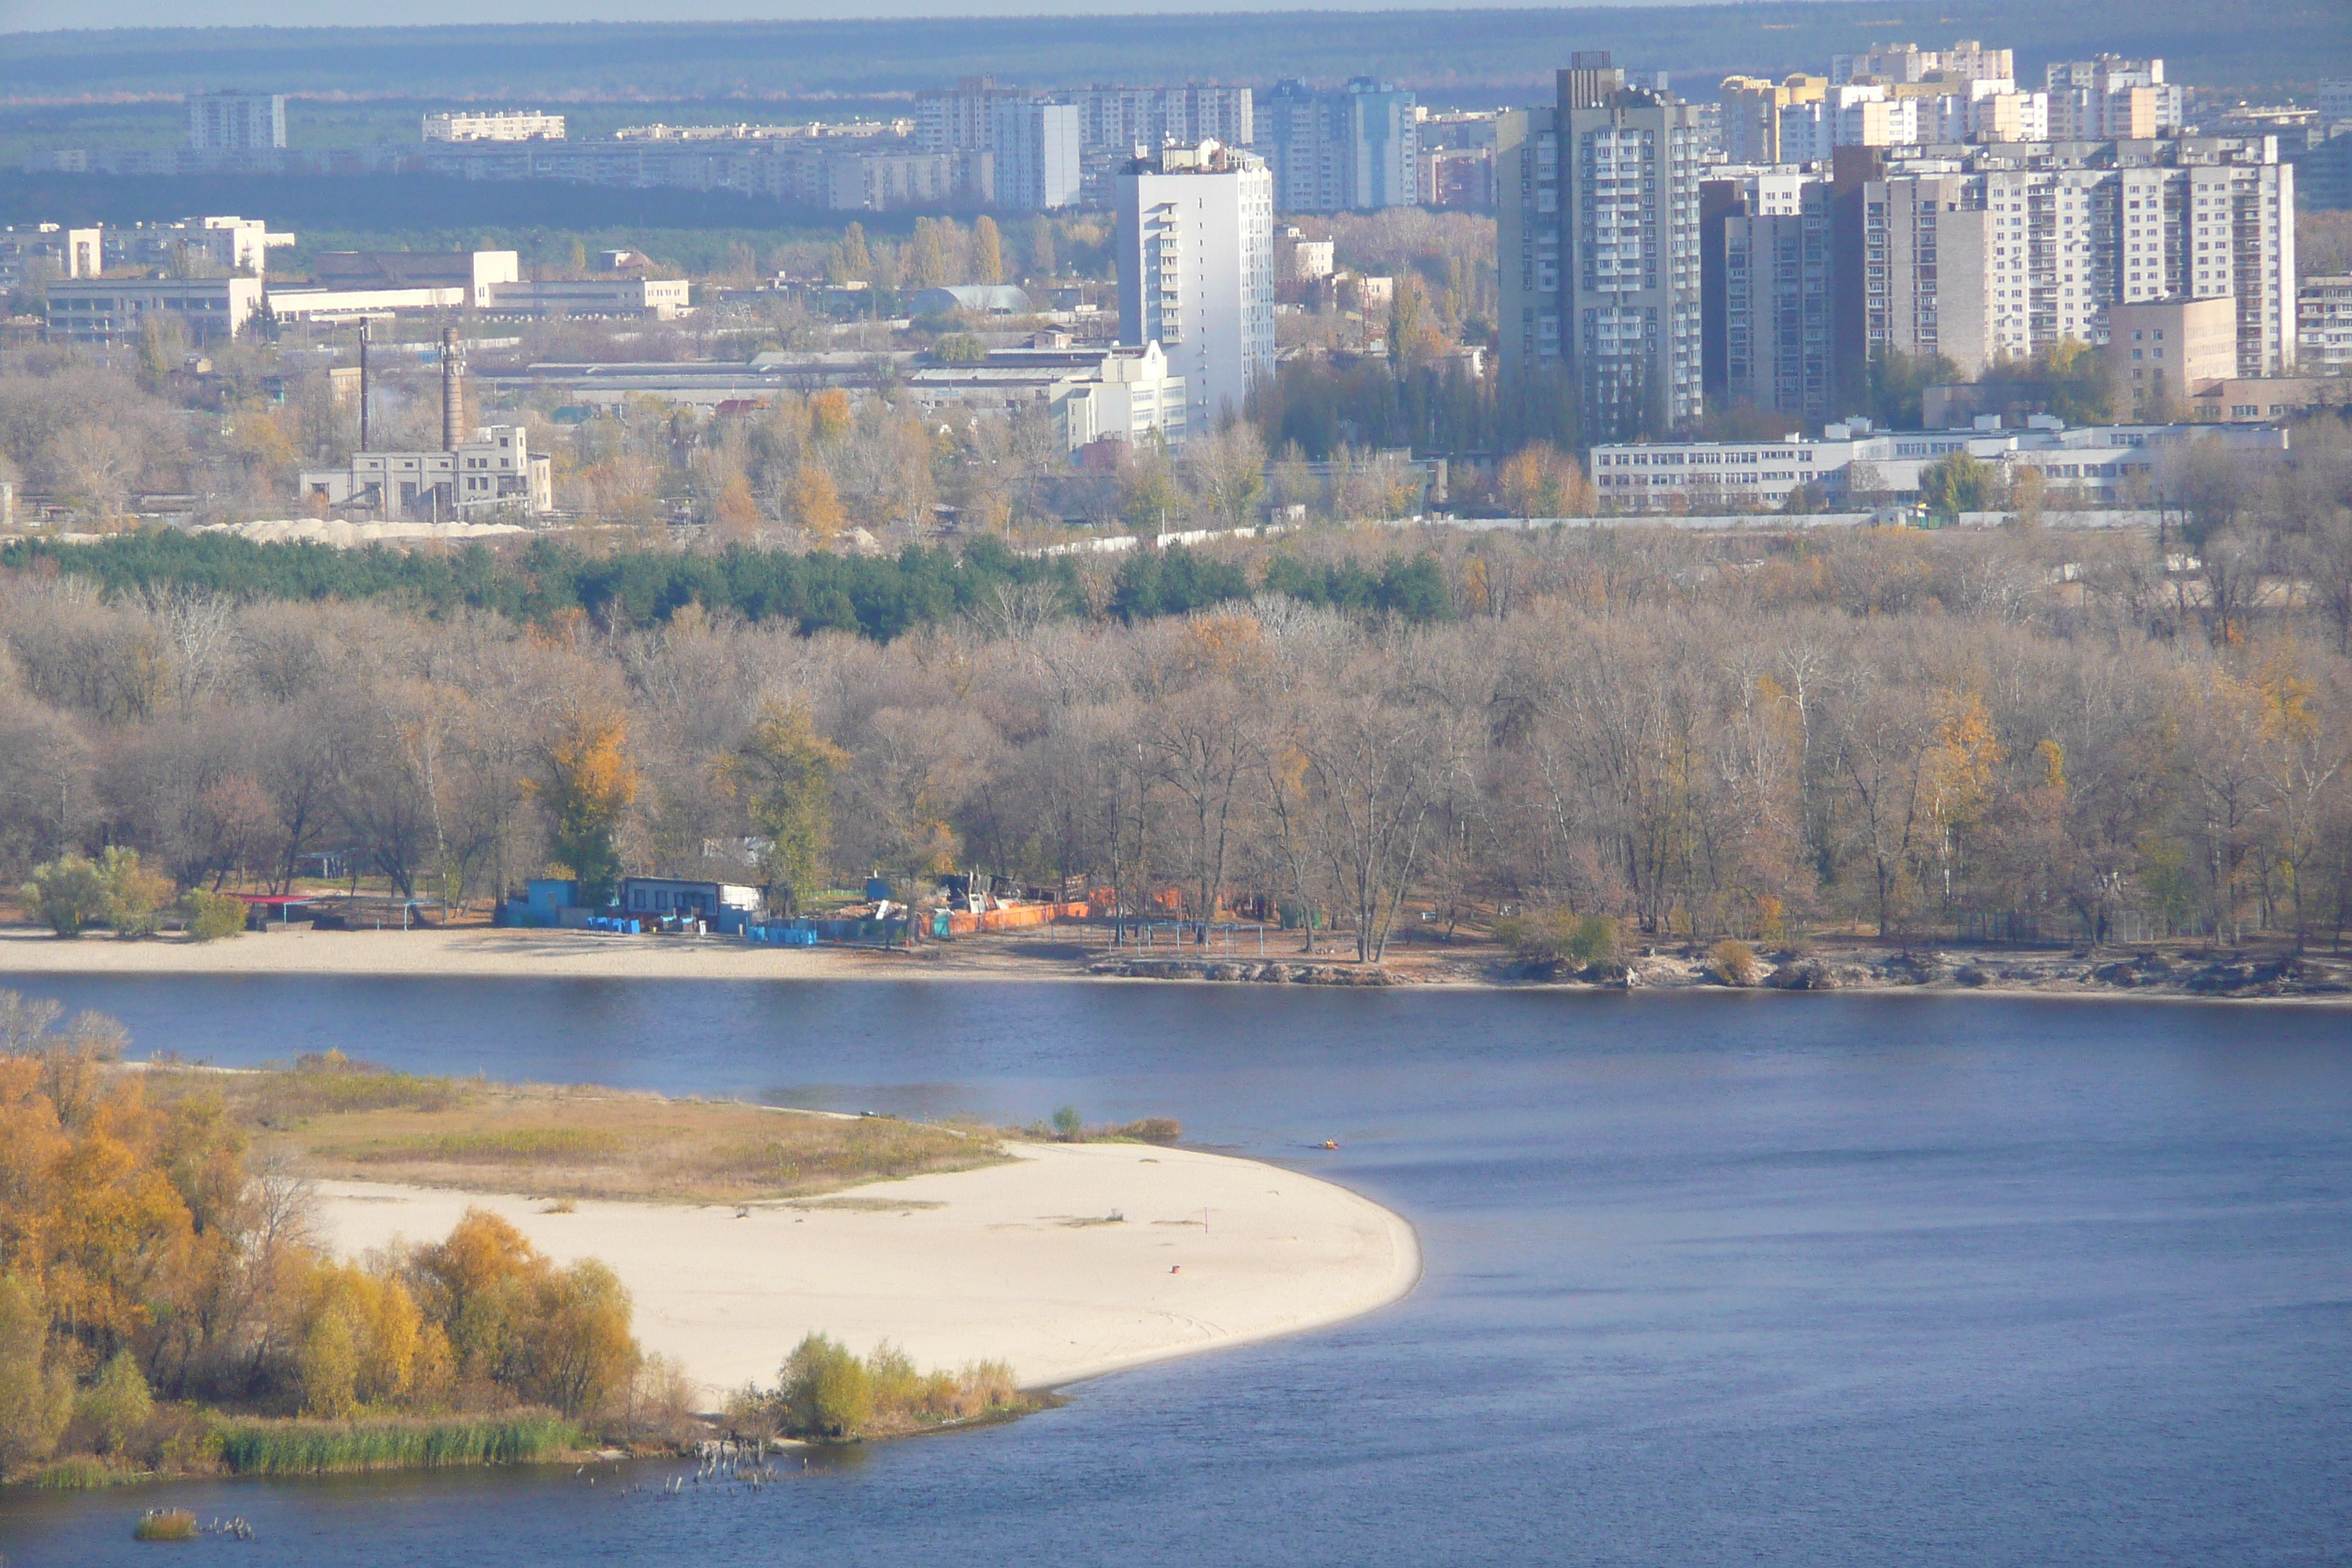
(452, 391)
(363, 386)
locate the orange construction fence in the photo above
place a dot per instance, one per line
(963, 922)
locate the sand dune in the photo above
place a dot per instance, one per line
(1025, 1262)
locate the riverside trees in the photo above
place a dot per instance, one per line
(145, 1256)
(1710, 737)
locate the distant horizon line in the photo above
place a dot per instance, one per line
(1072, 10)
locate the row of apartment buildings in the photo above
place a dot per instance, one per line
(1663, 281)
(979, 143)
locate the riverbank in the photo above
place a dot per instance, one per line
(1070, 1261)
(1078, 954)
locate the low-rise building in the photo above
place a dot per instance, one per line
(2254, 400)
(117, 309)
(663, 298)
(495, 472)
(725, 905)
(1125, 393)
(44, 252)
(473, 275)
(1851, 463)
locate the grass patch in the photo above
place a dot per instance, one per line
(166, 1524)
(569, 1143)
(511, 1145)
(323, 1448)
(327, 1084)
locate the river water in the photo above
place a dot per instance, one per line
(1712, 1278)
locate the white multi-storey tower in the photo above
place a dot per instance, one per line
(1196, 272)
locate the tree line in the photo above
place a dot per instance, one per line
(149, 1256)
(1749, 737)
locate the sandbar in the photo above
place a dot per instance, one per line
(1069, 1262)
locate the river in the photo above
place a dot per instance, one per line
(1712, 1278)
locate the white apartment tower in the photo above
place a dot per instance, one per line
(1196, 272)
(1996, 252)
(236, 121)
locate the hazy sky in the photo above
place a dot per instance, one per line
(28, 15)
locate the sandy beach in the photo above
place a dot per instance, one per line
(486, 950)
(1022, 1262)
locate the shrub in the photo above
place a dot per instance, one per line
(135, 896)
(117, 1404)
(1735, 962)
(1560, 938)
(66, 894)
(826, 1390)
(212, 916)
(1154, 1130)
(830, 1395)
(1069, 1123)
(166, 1524)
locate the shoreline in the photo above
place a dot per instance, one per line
(1070, 1262)
(485, 952)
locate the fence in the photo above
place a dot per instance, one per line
(1126, 932)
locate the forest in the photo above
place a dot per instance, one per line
(1760, 736)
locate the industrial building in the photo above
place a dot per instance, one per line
(1853, 463)
(117, 309)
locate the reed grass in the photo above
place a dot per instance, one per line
(166, 1524)
(79, 1474)
(319, 1448)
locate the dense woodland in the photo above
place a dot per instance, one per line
(1754, 736)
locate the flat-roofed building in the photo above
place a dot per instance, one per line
(233, 122)
(117, 309)
(1851, 464)
(496, 471)
(2159, 351)
(46, 252)
(493, 125)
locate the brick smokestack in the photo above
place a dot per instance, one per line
(453, 390)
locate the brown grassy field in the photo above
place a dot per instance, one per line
(345, 1120)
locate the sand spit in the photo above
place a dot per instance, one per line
(1074, 1260)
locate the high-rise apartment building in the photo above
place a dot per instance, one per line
(1994, 252)
(1195, 246)
(1599, 238)
(1037, 146)
(1768, 290)
(2110, 99)
(2324, 333)
(1154, 117)
(1353, 149)
(236, 121)
(1965, 61)
(960, 120)
(1751, 113)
